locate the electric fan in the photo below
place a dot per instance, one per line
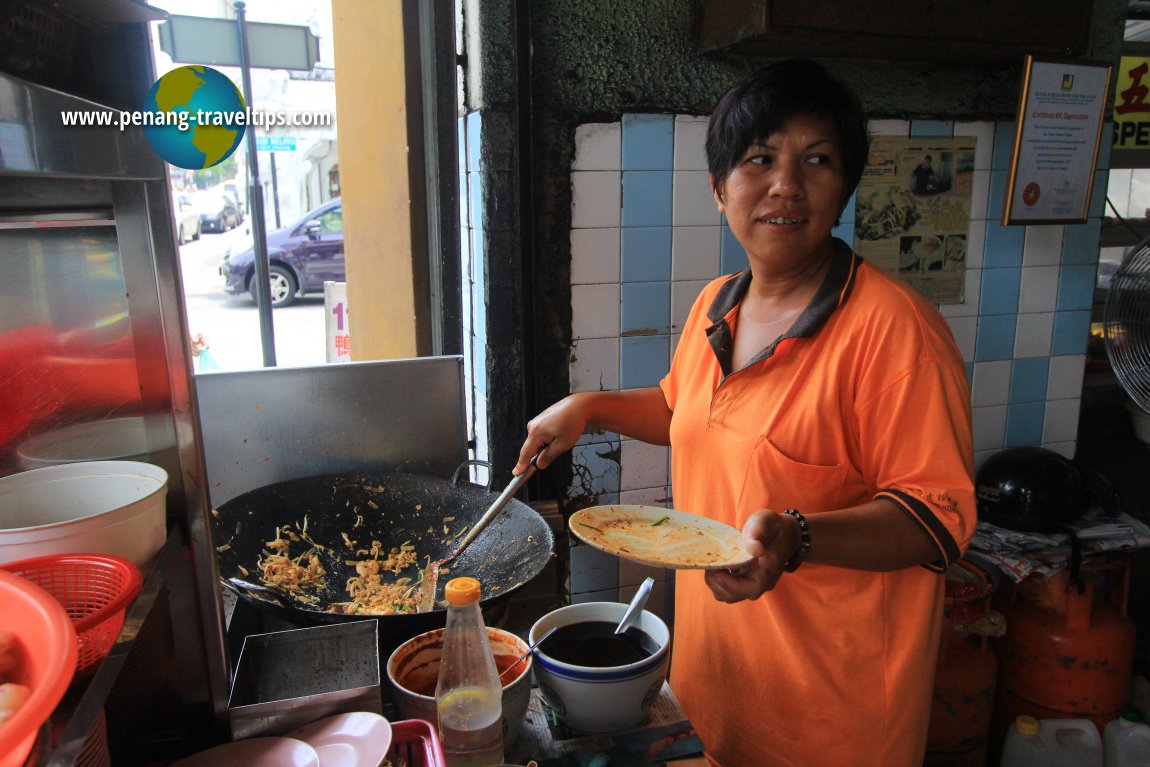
(1126, 324)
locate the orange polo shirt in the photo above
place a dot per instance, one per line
(864, 397)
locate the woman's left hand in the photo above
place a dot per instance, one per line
(772, 540)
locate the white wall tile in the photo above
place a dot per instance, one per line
(695, 252)
(965, 331)
(981, 456)
(889, 127)
(683, 295)
(642, 465)
(595, 311)
(1043, 246)
(594, 256)
(594, 364)
(984, 132)
(1032, 335)
(646, 496)
(1060, 422)
(980, 195)
(971, 290)
(596, 199)
(693, 203)
(991, 383)
(633, 573)
(598, 146)
(1039, 289)
(1065, 378)
(690, 141)
(1064, 449)
(989, 427)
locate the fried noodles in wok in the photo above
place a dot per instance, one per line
(369, 594)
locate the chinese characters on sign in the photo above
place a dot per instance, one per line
(1056, 146)
(912, 215)
(338, 328)
(1131, 106)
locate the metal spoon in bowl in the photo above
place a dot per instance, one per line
(636, 606)
(535, 644)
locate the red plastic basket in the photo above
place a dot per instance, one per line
(415, 743)
(95, 590)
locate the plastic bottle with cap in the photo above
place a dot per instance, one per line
(468, 696)
(1126, 740)
(1034, 742)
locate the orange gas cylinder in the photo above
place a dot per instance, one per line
(964, 680)
(1068, 652)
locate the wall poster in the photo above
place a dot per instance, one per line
(912, 214)
(1060, 117)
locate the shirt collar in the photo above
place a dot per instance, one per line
(835, 289)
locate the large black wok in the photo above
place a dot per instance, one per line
(396, 508)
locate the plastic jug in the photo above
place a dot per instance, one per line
(1126, 741)
(1052, 743)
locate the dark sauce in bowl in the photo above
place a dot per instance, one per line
(595, 644)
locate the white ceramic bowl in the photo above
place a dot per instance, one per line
(93, 507)
(605, 699)
(413, 668)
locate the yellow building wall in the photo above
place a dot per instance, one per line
(372, 118)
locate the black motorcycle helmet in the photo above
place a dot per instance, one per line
(1029, 489)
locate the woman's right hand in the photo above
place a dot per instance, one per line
(553, 432)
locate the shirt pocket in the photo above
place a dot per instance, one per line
(777, 481)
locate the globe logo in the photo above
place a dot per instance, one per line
(197, 117)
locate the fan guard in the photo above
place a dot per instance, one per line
(1126, 324)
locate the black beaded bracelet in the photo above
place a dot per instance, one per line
(804, 543)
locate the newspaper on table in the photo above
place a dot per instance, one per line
(1020, 555)
(664, 734)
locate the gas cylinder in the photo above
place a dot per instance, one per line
(964, 681)
(1068, 652)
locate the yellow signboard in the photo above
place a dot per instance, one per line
(1132, 104)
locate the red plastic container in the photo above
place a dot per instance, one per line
(46, 646)
(415, 743)
(95, 590)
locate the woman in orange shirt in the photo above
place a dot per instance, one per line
(820, 406)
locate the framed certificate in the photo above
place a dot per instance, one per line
(1056, 140)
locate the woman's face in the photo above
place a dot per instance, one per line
(783, 197)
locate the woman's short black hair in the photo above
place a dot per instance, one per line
(765, 100)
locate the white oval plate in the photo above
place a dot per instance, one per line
(255, 752)
(681, 541)
(358, 739)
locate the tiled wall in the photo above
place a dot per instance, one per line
(646, 236)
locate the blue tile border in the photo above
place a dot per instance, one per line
(648, 142)
(1076, 287)
(1003, 145)
(1028, 379)
(934, 128)
(1080, 242)
(645, 307)
(643, 360)
(645, 253)
(1024, 424)
(647, 197)
(995, 338)
(1003, 245)
(732, 255)
(999, 291)
(1071, 333)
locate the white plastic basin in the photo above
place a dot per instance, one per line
(102, 507)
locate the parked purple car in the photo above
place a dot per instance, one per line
(301, 257)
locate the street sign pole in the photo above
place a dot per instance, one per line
(256, 192)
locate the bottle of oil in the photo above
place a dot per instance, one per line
(468, 696)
